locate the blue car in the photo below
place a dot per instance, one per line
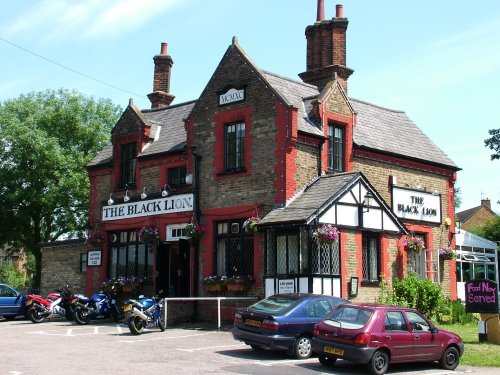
(283, 322)
(12, 302)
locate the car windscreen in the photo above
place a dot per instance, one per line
(349, 317)
(275, 304)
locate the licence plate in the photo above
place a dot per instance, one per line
(127, 308)
(252, 322)
(335, 351)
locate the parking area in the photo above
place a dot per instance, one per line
(60, 346)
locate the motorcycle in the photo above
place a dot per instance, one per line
(144, 313)
(100, 305)
(56, 304)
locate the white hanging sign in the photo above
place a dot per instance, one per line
(416, 205)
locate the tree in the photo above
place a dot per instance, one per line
(46, 140)
(493, 143)
(489, 230)
(458, 197)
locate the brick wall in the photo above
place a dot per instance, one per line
(61, 267)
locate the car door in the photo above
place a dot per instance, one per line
(8, 301)
(315, 311)
(397, 337)
(425, 346)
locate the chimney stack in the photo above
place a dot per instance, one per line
(320, 14)
(486, 202)
(160, 97)
(326, 50)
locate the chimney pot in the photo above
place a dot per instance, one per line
(320, 15)
(339, 11)
(163, 48)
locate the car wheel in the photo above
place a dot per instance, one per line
(327, 361)
(450, 358)
(302, 347)
(379, 363)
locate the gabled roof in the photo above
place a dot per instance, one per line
(319, 196)
(390, 131)
(168, 122)
(464, 216)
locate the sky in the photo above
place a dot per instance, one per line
(439, 61)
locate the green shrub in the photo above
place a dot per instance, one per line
(9, 274)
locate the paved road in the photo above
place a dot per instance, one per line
(62, 347)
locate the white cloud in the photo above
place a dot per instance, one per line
(57, 20)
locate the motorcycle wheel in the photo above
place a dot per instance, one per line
(81, 317)
(35, 315)
(161, 324)
(135, 325)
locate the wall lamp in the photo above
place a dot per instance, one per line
(126, 198)
(110, 200)
(367, 201)
(144, 195)
(166, 190)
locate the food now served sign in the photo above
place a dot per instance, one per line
(481, 296)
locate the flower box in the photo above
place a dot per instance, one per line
(238, 287)
(213, 288)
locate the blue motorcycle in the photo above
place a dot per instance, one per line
(99, 306)
(144, 313)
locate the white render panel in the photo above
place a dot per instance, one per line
(372, 219)
(303, 285)
(389, 224)
(347, 215)
(269, 287)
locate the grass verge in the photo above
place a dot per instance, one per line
(475, 353)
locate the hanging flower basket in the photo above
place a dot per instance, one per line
(250, 224)
(96, 239)
(447, 253)
(413, 244)
(193, 230)
(148, 233)
(326, 234)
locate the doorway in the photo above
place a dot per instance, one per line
(172, 269)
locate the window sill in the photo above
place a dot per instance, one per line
(234, 172)
(370, 283)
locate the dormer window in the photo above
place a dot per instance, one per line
(127, 167)
(336, 142)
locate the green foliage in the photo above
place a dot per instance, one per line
(426, 297)
(46, 141)
(413, 292)
(458, 197)
(489, 230)
(493, 143)
(9, 274)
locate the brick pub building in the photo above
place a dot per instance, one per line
(296, 153)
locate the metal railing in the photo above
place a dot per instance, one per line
(218, 299)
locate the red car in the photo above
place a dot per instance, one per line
(378, 335)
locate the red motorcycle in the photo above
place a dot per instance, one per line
(56, 304)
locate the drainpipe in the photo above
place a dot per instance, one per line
(197, 213)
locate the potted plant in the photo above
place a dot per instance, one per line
(96, 239)
(239, 283)
(447, 253)
(193, 230)
(148, 233)
(413, 244)
(326, 234)
(214, 283)
(250, 224)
